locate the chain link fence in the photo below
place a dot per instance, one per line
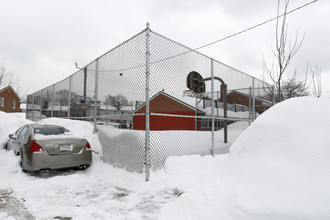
(137, 97)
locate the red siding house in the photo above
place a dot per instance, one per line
(236, 97)
(163, 103)
(9, 100)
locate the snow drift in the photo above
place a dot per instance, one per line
(279, 168)
(10, 122)
(126, 148)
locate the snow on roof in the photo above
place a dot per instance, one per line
(9, 87)
(114, 108)
(217, 111)
(58, 108)
(263, 101)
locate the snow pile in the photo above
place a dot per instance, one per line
(9, 124)
(122, 148)
(279, 168)
(126, 148)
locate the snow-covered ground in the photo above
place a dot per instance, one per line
(279, 168)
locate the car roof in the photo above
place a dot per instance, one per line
(45, 126)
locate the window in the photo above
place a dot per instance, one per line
(49, 130)
(14, 104)
(18, 131)
(207, 124)
(23, 133)
(2, 102)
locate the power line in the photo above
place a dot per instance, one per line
(240, 32)
(258, 25)
(222, 39)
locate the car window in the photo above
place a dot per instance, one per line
(18, 131)
(23, 132)
(49, 130)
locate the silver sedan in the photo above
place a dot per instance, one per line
(49, 147)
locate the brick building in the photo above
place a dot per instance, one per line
(236, 97)
(9, 100)
(163, 103)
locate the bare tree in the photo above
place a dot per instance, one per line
(115, 100)
(293, 87)
(317, 81)
(63, 96)
(6, 77)
(286, 85)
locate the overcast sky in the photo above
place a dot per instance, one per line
(41, 40)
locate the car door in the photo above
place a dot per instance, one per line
(12, 142)
(20, 141)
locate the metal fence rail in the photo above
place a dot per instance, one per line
(136, 96)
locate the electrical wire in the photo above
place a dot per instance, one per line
(258, 25)
(222, 39)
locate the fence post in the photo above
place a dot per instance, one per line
(225, 129)
(212, 107)
(250, 109)
(32, 109)
(196, 113)
(147, 132)
(40, 102)
(273, 98)
(96, 92)
(53, 94)
(253, 101)
(218, 97)
(69, 101)
(27, 107)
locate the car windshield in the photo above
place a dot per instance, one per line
(49, 130)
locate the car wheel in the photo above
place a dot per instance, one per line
(21, 163)
(82, 167)
(6, 146)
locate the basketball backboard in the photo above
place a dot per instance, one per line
(195, 82)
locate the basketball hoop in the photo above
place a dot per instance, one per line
(189, 93)
(192, 94)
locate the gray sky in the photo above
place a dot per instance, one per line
(41, 40)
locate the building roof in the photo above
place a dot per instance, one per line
(10, 87)
(264, 102)
(173, 98)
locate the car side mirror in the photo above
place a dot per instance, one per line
(12, 136)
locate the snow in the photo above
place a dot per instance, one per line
(119, 150)
(278, 168)
(66, 135)
(9, 123)
(77, 129)
(230, 114)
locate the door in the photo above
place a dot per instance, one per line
(12, 143)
